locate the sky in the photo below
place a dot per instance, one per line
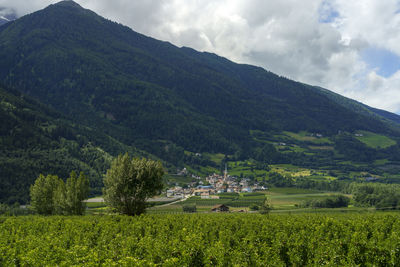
(349, 47)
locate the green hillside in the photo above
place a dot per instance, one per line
(36, 139)
(103, 74)
(99, 89)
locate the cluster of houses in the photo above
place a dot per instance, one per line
(185, 172)
(215, 184)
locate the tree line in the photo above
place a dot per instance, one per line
(128, 183)
(50, 195)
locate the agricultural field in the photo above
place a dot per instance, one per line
(235, 202)
(289, 198)
(355, 239)
(280, 199)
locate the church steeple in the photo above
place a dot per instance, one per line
(226, 172)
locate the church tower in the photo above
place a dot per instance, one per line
(225, 172)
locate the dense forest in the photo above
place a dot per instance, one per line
(36, 139)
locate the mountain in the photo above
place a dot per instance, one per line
(149, 95)
(102, 73)
(3, 20)
(9, 16)
(37, 139)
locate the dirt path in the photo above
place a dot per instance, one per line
(174, 202)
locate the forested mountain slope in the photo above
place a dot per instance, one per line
(36, 139)
(98, 86)
(134, 87)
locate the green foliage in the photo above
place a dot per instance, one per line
(254, 207)
(267, 154)
(354, 149)
(381, 196)
(189, 208)
(129, 182)
(339, 201)
(266, 206)
(42, 194)
(276, 179)
(202, 240)
(15, 210)
(50, 195)
(76, 190)
(36, 139)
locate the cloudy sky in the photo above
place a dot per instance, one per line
(350, 47)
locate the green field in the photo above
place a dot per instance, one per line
(291, 191)
(217, 158)
(280, 198)
(232, 200)
(375, 140)
(331, 239)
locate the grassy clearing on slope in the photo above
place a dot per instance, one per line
(374, 140)
(290, 170)
(321, 147)
(306, 137)
(217, 158)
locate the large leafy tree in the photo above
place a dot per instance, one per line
(129, 182)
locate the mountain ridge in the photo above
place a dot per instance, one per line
(149, 95)
(201, 83)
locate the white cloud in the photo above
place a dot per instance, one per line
(314, 41)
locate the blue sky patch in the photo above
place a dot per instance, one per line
(386, 62)
(327, 13)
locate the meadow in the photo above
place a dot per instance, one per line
(375, 140)
(355, 239)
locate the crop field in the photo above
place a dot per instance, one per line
(367, 239)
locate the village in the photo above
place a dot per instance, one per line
(215, 184)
